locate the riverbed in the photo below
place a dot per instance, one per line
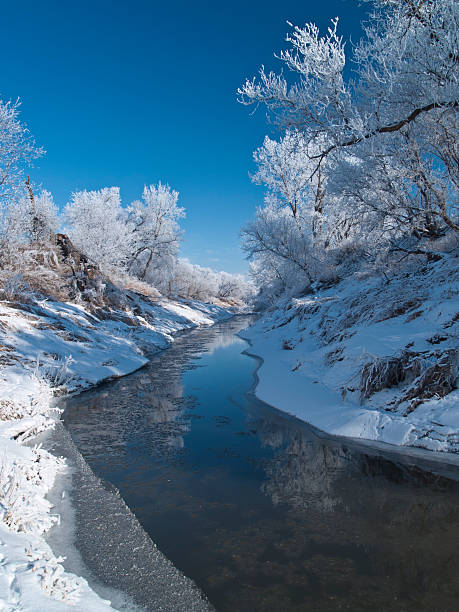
(260, 510)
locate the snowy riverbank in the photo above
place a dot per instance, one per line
(368, 358)
(50, 348)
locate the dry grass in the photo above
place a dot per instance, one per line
(382, 373)
(436, 380)
(133, 284)
(428, 375)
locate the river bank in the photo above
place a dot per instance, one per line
(49, 349)
(372, 358)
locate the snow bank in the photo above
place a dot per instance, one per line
(315, 351)
(46, 349)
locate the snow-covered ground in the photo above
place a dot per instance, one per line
(361, 358)
(48, 348)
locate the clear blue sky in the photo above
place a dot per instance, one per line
(132, 92)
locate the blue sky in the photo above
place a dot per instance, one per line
(130, 93)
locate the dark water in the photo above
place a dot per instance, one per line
(256, 507)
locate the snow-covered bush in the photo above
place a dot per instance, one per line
(197, 282)
(21, 485)
(14, 289)
(55, 372)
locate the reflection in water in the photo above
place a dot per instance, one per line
(257, 508)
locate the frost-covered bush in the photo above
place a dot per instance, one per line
(131, 283)
(21, 492)
(436, 378)
(15, 289)
(55, 371)
(197, 282)
(54, 580)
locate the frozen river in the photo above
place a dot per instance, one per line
(261, 511)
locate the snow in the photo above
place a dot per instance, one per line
(47, 349)
(313, 350)
(32, 578)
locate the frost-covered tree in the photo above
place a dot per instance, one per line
(33, 217)
(275, 236)
(142, 239)
(17, 151)
(403, 100)
(155, 232)
(370, 156)
(41, 214)
(285, 168)
(234, 286)
(96, 224)
(194, 282)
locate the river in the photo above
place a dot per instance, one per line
(261, 511)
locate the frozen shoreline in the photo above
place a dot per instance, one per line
(313, 350)
(47, 347)
(438, 462)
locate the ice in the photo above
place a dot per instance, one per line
(107, 541)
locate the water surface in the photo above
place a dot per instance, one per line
(259, 509)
